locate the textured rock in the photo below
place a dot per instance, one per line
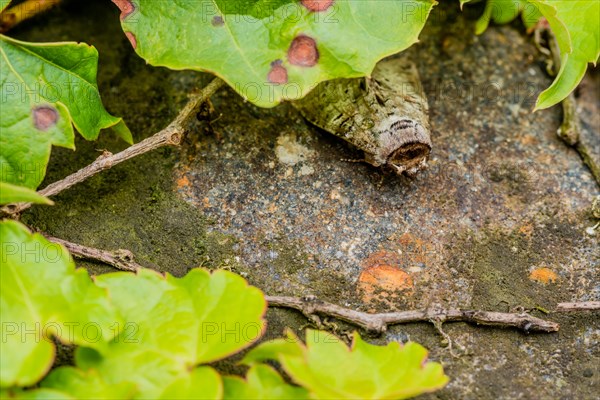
(503, 198)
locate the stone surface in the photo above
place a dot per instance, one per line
(498, 221)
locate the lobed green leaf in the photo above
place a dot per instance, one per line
(43, 296)
(173, 325)
(394, 371)
(273, 50)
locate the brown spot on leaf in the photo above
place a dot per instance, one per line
(127, 8)
(543, 275)
(317, 5)
(217, 21)
(44, 117)
(132, 39)
(278, 73)
(303, 52)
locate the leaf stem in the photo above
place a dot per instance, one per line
(169, 136)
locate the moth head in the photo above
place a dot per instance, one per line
(410, 158)
(406, 145)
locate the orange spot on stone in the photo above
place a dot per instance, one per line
(278, 73)
(127, 8)
(317, 5)
(44, 117)
(303, 52)
(543, 275)
(382, 279)
(183, 182)
(132, 39)
(526, 230)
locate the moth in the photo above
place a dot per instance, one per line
(385, 116)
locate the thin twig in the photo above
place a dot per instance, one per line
(22, 11)
(120, 259)
(447, 340)
(582, 306)
(171, 135)
(380, 322)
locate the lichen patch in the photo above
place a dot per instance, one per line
(289, 151)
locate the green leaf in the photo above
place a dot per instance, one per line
(394, 371)
(174, 325)
(14, 194)
(271, 350)
(47, 88)
(42, 295)
(262, 382)
(576, 26)
(88, 384)
(4, 4)
(581, 19)
(202, 382)
(272, 50)
(35, 394)
(505, 11)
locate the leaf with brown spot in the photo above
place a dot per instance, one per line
(238, 40)
(47, 89)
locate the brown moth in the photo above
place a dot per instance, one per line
(386, 116)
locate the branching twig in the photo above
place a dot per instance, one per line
(22, 11)
(120, 259)
(171, 135)
(583, 306)
(380, 322)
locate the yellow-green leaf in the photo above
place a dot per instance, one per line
(262, 382)
(15, 194)
(330, 370)
(43, 296)
(173, 326)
